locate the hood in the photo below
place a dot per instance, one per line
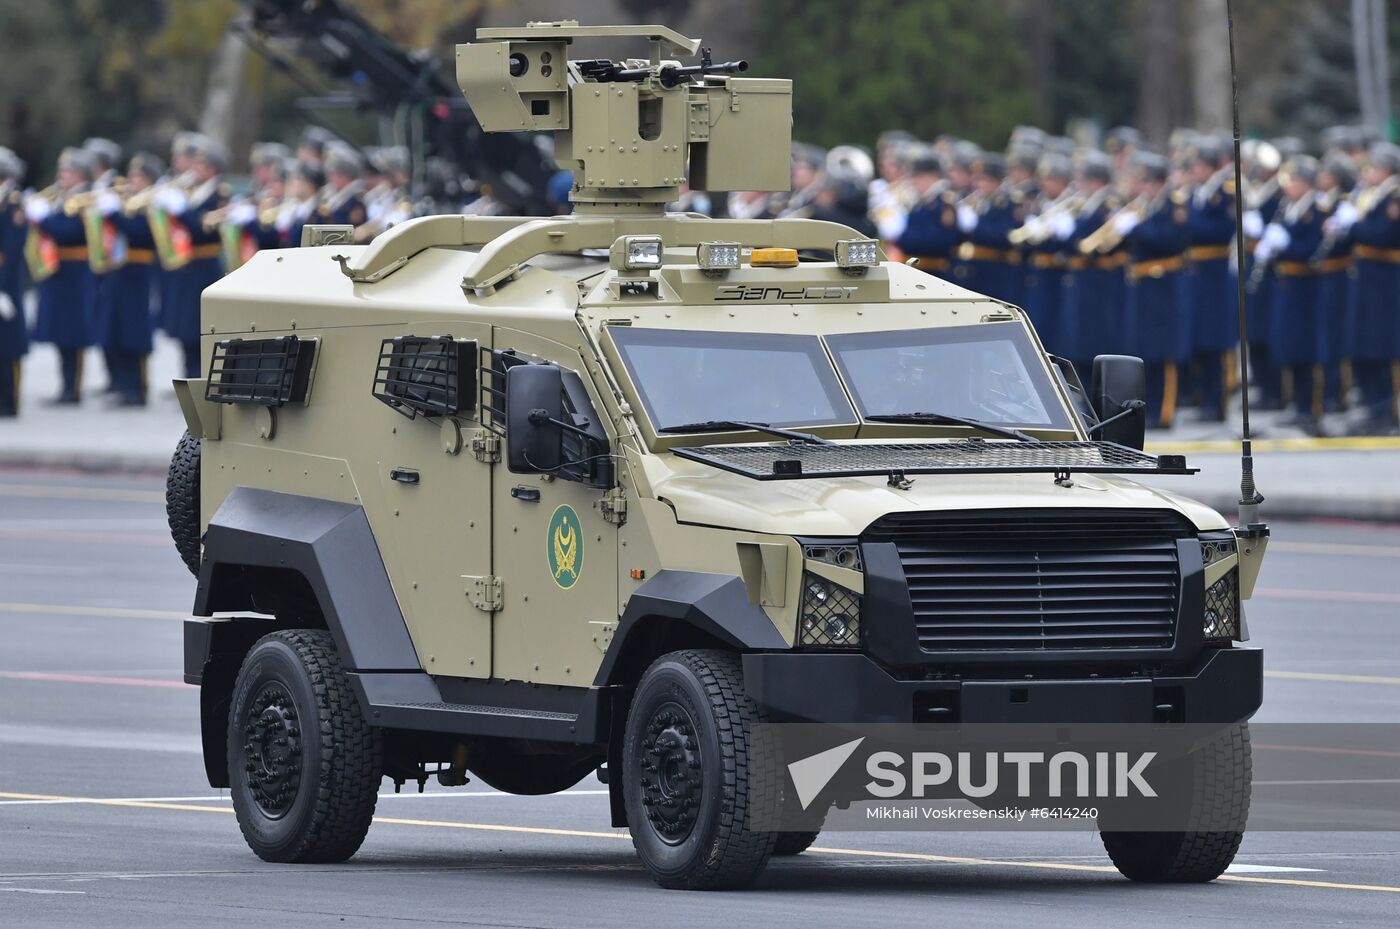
(704, 495)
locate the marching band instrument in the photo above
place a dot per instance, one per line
(1067, 202)
(1107, 237)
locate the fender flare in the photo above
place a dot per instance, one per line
(714, 606)
(331, 546)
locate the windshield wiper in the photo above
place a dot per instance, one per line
(949, 419)
(730, 425)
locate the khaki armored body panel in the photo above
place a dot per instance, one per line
(493, 466)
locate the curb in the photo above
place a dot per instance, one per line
(88, 461)
(1306, 506)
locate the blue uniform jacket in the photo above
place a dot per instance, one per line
(931, 232)
(67, 300)
(14, 334)
(1376, 238)
(134, 289)
(1296, 333)
(181, 318)
(1158, 327)
(1213, 295)
(1091, 307)
(1001, 277)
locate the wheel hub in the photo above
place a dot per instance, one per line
(273, 747)
(672, 776)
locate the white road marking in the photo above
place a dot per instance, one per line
(206, 798)
(1238, 868)
(35, 890)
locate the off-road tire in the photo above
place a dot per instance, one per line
(738, 769)
(1220, 791)
(339, 754)
(182, 500)
(794, 843)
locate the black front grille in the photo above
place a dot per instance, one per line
(1019, 580)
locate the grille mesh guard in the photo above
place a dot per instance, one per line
(1038, 580)
(788, 461)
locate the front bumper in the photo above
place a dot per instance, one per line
(1222, 686)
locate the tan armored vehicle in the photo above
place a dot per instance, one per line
(523, 499)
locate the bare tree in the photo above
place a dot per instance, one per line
(1162, 93)
(1210, 65)
(225, 98)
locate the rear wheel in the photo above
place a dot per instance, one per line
(1219, 779)
(697, 773)
(182, 500)
(304, 765)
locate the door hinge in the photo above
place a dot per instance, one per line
(613, 507)
(486, 593)
(486, 446)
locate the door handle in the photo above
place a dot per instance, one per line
(527, 494)
(403, 475)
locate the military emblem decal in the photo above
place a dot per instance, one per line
(565, 547)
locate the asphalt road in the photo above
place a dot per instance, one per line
(106, 819)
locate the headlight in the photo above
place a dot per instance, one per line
(1221, 620)
(830, 613)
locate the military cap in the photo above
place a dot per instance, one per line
(342, 159)
(1303, 167)
(267, 154)
(1342, 168)
(1060, 145)
(894, 138)
(965, 155)
(1053, 164)
(1151, 166)
(924, 160)
(76, 159)
(1386, 156)
(1120, 138)
(213, 153)
(147, 165)
(808, 154)
(1023, 157)
(105, 150)
(1026, 137)
(187, 143)
(1097, 166)
(1288, 146)
(316, 137)
(11, 165)
(1206, 150)
(992, 165)
(390, 159)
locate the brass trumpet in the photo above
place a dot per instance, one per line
(1107, 237)
(1067, 202)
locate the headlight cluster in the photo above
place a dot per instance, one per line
(1221, 621)
(830, 612)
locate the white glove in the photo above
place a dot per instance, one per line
(967, 218)
(1275, 237)
(172, 201)
(892, 225)
(1125, 223)
(1061, 225)
(1253, 224)
(37, 209)
(1263, 252)
(108, 203)
(7, 308)
(1345, 215)
(1035, 228)
(242, 214)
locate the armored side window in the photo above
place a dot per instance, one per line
(584, 449)
(426, 375)
(262, 372)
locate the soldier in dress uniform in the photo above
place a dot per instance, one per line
(342, 200)
(205, 265)
(67, 297)
(891, 192)
(1154, 232)
(265, 159)
(304, 185)
(988, 262)
(1091, 306)
(14, 333)
(1044, 236)
(106, 159)
(930, 229)
(1213, 296)
(312, 146)
(1290, 243)
(1375, 347)
(135, 286)
(1335, 181)
(387, 202)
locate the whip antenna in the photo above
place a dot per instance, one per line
(1250, 498)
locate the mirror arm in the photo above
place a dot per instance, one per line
(1132, 406)
(541, 417)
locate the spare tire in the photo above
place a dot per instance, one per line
(182, 500)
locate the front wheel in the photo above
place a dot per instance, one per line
(1218, 775)
(304, 765)
(698, 774)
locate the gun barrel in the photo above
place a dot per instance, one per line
(672, 76)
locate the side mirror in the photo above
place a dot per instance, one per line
(1078, 396)
(1119, 386)
(534, 408)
